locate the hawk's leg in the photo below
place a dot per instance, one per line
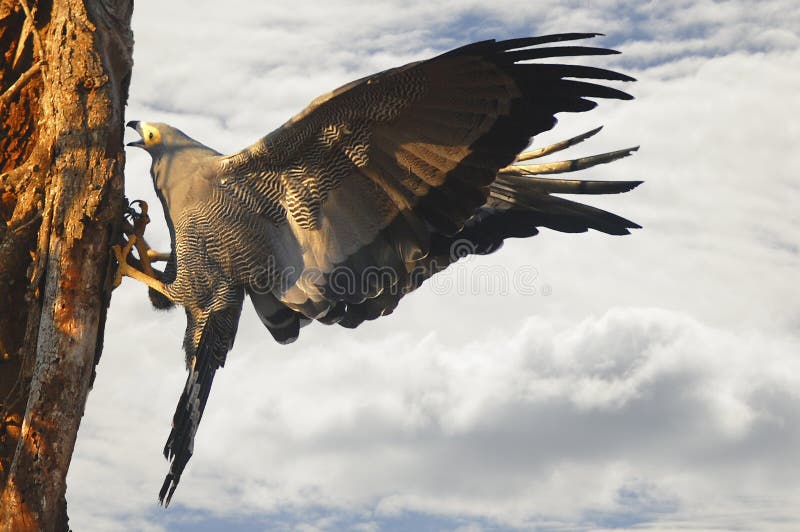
(135, 232)
(156, 256)
(146, 254)
(123, 268)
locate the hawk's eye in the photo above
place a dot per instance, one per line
(150, 134)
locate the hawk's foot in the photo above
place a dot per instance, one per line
(124, 268)
(121, 254)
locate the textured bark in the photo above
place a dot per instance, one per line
(64, 74)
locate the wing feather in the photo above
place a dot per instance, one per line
(387, 172)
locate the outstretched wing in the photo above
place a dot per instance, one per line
(368, 188)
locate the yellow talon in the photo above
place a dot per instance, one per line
(121, 254)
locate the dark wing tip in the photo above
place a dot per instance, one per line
(617, 94)
(634, 184)
(524, 42)
(547, 52)
(167, 490)
(629, 225)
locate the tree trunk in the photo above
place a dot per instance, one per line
(64, 74)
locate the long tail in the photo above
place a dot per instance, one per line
(180, 443)
(218, 333)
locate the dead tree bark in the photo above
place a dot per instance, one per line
(64, 73)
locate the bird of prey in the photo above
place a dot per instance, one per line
(354, 202)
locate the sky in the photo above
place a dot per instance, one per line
(566, 382)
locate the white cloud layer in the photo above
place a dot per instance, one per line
(639, 414)
(676, 409)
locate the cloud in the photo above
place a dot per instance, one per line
(638, 412)
(676, 409)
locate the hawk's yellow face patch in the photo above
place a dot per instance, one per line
(150, 134)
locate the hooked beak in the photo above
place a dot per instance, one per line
(134, 124)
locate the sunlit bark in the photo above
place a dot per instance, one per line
(64, 75)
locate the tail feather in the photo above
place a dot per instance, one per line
(180, 443)
(216, 339)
